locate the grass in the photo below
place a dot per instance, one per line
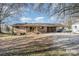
(58, 52)
(35, 45)
(50, 53)
(5, 34)
(43, 52)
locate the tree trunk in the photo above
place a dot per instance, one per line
(12, 30)
(0, 27)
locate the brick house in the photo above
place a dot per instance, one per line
(36, 28)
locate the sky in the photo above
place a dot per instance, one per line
(27, 15)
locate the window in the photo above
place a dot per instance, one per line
(17, 26)
(42, 27)
(75, 26)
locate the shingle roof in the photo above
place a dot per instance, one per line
(37, 24)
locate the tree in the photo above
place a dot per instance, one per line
(8, 9)
(60, 11)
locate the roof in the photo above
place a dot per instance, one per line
(75, 23)
(37, 24)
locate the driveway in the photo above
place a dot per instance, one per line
(68, 41)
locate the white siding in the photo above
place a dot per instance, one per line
(4, 28)
(75, 28)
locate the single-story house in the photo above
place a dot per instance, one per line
(36, 28)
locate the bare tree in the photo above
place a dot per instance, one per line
(59, 10)
(8, 9)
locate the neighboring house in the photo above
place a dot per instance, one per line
(6, 28)
(75, 28)
(36, 28)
